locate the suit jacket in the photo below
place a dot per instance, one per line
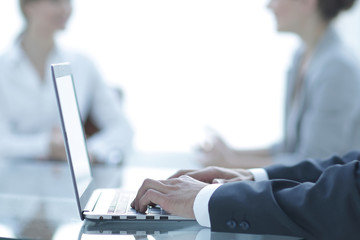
(315, 199)
(325, 118)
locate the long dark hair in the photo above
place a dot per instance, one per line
(329, 9)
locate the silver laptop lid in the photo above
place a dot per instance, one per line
(73, 133)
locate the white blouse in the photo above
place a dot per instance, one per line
(28, 110)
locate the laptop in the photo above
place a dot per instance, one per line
(95, 204)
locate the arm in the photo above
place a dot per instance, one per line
(309, 170)
(326, 209)
(253, 158)
(19, 145)
(329, 116)
(218, 153)
(306, 171)
(116, 134)
(283, 207)
(34, 146)
(218, 174)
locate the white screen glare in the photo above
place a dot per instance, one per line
(74, 132)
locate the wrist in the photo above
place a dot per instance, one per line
(246, 175)
(259, 174)
(201, 204)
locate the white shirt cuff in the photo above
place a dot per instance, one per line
(201, 204)
(259, 174)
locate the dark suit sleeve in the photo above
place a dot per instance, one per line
(326, 209)
(309, 170)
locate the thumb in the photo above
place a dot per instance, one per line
(218, 181)
(221, 181)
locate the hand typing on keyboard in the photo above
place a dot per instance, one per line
(176, 195)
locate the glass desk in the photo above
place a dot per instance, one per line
(37, 202)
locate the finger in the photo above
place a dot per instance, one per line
(180, 173)
(218, 181)
(151, 197)
(148, 184)
(132, 205)
(207, 146)
(203, 175)
(236, 179)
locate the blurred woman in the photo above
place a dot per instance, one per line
(322, 97)
(29, 121)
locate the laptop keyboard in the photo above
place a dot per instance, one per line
(121, 203)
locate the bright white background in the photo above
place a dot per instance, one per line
(187, 64)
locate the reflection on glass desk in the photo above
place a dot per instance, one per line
(37, 202)
(161, 230)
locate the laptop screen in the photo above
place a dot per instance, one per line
(72, 129)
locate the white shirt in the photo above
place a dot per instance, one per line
(28, 110)
(201, 210)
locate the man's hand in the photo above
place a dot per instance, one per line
(176, 195)
(217, 175)
(216, 152)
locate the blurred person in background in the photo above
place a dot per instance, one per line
(29, 120)
(322, 95)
